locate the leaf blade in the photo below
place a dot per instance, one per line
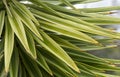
(19, 30)
(8, 45)
(14, 67)
(2, 18)
(55, 49)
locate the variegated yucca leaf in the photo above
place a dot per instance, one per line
(42, 38)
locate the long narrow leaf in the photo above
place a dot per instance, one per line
(65, 43)
(2, 19)
(67, 31)
(100, 9)
(76, 24)
(18, 28)
(41, 61)
(26, 11)
(56, 62)
(68, 3)
(55, 49)
(31, 44)
(8, 45)
(27, 21)
(14, 64)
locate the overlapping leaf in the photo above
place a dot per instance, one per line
(42, 62)
(50, 39)
(8, 45)
(76, 23)
(55, 49)
(14, 66)
(18, 28)
(21, 10)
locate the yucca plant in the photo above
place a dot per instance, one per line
(42, 38)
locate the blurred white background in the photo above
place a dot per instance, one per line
(109, 53)
(102, 3)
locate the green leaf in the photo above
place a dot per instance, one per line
(2, 19)
(96, 15)
(106, 75)
(114, 61)
(100, 21)
(31, 44)
(1, 56)
(68, 4)
(64, 69)
(65, 43)
(1, 59)
(92, 47)
(8, 45)
(100, 9)
(63, 9)
(30, 65)
(56, 50)
(40, 3)
(22, 8)
(88, 27)
(46, 36)
(67, 31)
(22, 71)
(26, 20)
(3, 73)
(92, 68)
(85, 69)
(84, 56)
(105, 66)
(14, 64)
(1, 46)
(18, 28)
(56, 63)
(76, 23)
(41, 61)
